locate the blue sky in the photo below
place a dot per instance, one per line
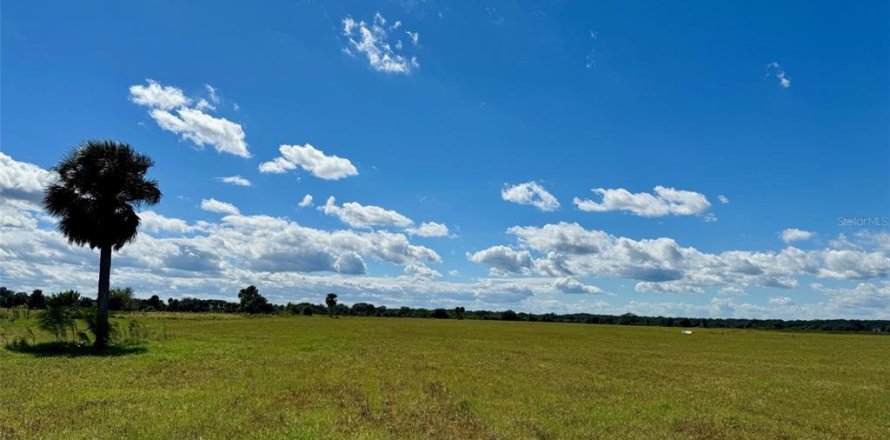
(782, 109)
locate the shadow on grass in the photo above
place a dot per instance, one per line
(64, 349)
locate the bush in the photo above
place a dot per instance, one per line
(60, 321)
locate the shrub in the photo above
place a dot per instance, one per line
(60, 321)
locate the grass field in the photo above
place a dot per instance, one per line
(222, 376)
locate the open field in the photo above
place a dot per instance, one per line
(224, 376)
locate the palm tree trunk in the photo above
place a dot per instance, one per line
(102, 298)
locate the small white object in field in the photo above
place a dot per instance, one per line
(687, 332)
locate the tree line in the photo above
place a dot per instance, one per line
(252, 302)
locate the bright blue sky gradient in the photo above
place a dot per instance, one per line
(574, 96)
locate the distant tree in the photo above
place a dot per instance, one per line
(440, 314)
(331, 302)
(67, 298)
(363, 309)
(307, 311)
(459, 312)
(5, 296)
(509, 315)
(122, 298)
(155, 303)
(18, 299)
(253, 302)
(37, 300)
(100, 185)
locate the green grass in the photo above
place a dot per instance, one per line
(214, 376)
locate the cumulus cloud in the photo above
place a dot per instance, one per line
(23, 181)
(153, 222)
(429, 229)
(571, 285)
(662, 265)
(362, 216)
(306, 201)
(503, 260)
(723, 199)
(213, 205)
(793, 234)
(235, 180)
(530, 193)
(665, 201)
(175, 112)
(155, 95)
(373, 41)
(311, 160)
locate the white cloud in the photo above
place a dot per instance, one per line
(503, 260)
(213, 205)
(170, 108)
(306, 202)
(422, 272)
(212, 92)
(794, 234)
(571, 285)
(429, 229)
(662, 265)
(155, 95)
(414, 36)
(781, 301)
(23, 181)
(530, 193)
(153, 222)
(202, 129)
(775, 70)
(372, 40)
(723, 199)
(361, 216)
(665, 201)
(235, 180)
(309, 159)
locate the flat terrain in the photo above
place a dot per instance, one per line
(215, 376)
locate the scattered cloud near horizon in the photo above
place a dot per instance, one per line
(213, 259)
(357, 215)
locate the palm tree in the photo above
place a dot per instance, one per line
(100, 183)
(331, 301)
